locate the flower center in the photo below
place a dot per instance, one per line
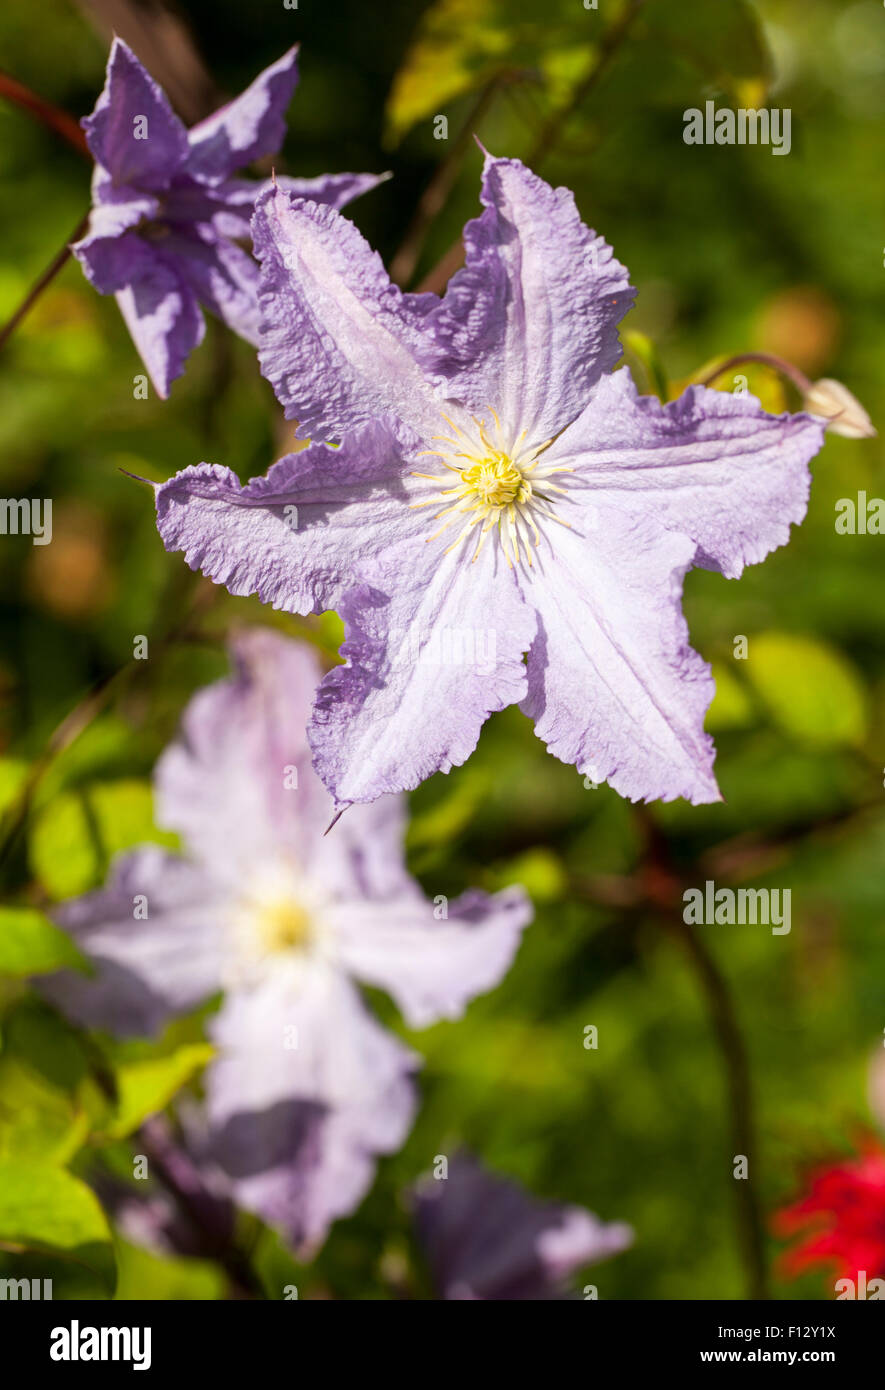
(496, 481)
(283, 926)
(492, 488)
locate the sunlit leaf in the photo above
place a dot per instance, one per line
(47, 1209)
(145, 1087)
(32, 945)
(811, 690)
(78, 834)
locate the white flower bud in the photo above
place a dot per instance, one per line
(844, 412)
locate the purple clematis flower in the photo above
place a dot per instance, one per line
(307, 1088)
(167, 212)
(498, 490)
(484, 1237)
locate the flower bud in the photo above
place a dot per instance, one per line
(843, 412)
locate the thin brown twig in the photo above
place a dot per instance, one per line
(608, 46)
(611, 41)
(434, 197)
(58, 262)
(51, 116)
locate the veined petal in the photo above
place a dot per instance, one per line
(712, 465)
(531, 321)
(298, 1128)
(340, 344)
(614, 686)
(164, 318)
(434, 645)
(432, 969)
(251, 125)
(147, 968)
(133, 131)
(298, 537)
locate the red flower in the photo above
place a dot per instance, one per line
(843, 1215)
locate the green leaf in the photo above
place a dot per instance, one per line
(723, 42)
(79, 832)
(48, 1209)
(145, 1087)
(809, 688)
(166, 1278)
(48, 1098)
(732, 707)
(13, 772)
(461, 45)
(32, 945)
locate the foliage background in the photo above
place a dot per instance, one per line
(732, 249)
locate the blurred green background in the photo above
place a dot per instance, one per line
(732, 249)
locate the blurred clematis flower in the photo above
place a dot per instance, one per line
(484, 1237)
(842, 1217)
(168, 212)
(496, 480)
(307, 1088)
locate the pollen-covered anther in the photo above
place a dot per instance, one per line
(496, 487)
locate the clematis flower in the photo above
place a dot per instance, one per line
(842, 1216)
(485, 1237)
(496, 486)
(167, 210)
(306, 1088)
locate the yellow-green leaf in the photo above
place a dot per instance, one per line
(145, 1087)
(80, 831)
(47, 1209)
(32, 945)
(810, 689)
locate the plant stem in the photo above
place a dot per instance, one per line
(768, 359)
(56, 264)
(434, 197)
(172, 1165)
(663, 891)
(609, 44)
(51, 116)
(439, 276)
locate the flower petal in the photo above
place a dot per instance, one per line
(111, 263)
(237, 781)
(340, 344)
(222, 276)
(298, 1128)
(252, 125)
(431, 968)
(164, 319)
(298, 537)
(146, 969)
(434, 645)
(614, 686)
(712, 465)
(530, 322)
(485, 1237)
(133, 131)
